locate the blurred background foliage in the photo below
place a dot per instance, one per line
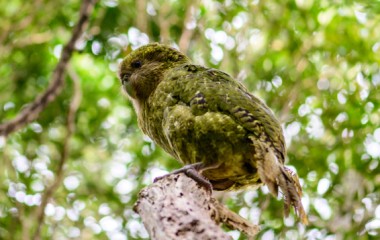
(315, 63)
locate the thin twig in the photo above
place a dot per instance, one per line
(235, 221)
(23, 23)
(36, 38)
(293, 95)
(187, 33)
(74, 105)
(164, 22)
(31, 112)
(142, 18)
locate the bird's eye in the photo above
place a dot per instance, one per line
(136, 64)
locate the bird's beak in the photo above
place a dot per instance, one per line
(127, 85)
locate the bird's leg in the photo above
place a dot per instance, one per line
(194, 171)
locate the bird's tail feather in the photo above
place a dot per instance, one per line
(276, 176)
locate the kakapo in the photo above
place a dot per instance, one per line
(209, 122)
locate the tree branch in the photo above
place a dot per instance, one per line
(176, 207)
(74, 105)
(31, 112)
(16, 24)
(187, 33)
(142, 17)
(164, 22)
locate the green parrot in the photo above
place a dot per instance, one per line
(227, 138)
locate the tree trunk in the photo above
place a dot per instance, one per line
(176, 207)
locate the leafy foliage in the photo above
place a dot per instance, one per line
(315, 63)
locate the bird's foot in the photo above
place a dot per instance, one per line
(193, 172)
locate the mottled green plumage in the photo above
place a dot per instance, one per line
(203, 115)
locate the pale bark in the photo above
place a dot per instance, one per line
(176, 207)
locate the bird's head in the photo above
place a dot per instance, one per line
(143, 69)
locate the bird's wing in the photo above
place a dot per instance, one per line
(206, 90)
(211, 97)
(202, 91)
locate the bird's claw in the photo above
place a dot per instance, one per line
(192, 172)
